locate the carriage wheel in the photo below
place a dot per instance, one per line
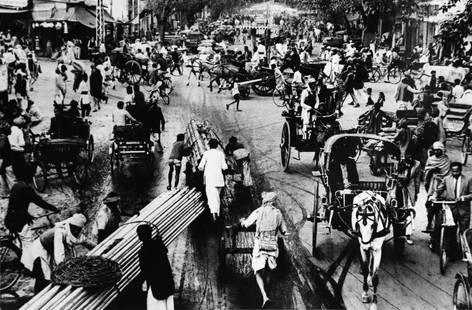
(264, 88)
(460, 297)
(442, 251)
(465, 149)
(90, 149)
(40, 177)
(279, 98)
(133, 72)
(10, 265)
(394, 75)
(285, 146)
(399, 231)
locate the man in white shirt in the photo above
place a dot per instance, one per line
(297, 82)
(213, 163)
(121, 117)
(458, 89)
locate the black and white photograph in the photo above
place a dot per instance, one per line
(235, 154)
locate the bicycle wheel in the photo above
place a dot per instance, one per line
(394, 75)
(465, 149)
(10, 265)
(442, 251)
(375, 76)
(279, 98)
(460, 297)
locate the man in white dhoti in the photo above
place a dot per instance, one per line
(269, 222)
(212, 164)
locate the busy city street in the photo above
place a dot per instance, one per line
(263, 155)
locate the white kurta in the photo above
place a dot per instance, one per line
(213, 163)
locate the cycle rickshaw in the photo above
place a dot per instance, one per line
(131, 142)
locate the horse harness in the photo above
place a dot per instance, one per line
(370, 215)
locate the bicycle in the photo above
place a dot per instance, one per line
(10, 255)
(379, 72)
(442, 223)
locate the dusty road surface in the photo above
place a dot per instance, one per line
(413, 283)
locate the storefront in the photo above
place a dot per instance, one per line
(15, 16)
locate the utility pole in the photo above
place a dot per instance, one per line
(99, 24)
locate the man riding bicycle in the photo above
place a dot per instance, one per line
(457, 187)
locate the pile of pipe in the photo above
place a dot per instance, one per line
(171, 213)
(198, 135)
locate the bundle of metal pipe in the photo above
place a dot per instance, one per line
(199, 140)
(171, 213)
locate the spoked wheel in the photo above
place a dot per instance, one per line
(461, 295)
(265, 87)
(285, 147)
(133, 72)
(279, 98)
(465, 149)
(394, 75)
(90, 149)
(10, 265)
(442, 251)
(40, 177)
(375, 76)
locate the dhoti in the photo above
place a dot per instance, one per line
(213, 198)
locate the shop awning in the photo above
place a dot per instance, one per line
(75, 14)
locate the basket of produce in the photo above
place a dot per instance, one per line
(87, 272)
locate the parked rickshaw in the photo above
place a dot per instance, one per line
(72, 151)
(344, 173)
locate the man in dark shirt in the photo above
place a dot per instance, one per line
(175, 61)
(232, 146)
(139, 105)
(21, 195)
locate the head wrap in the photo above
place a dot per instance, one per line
(112, 197)
(268, 197)
(438, 146)
(78, 220)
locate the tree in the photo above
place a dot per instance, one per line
(163, 9)
(369, 10)
(460, 26)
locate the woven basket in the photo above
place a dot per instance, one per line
(87, 272)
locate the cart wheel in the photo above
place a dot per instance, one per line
(285, 147)
(461, 297)
(90, 149)
(399, 239)
(10, 263)
(265, 87)
(133, 72)
(394, 75)
(465, 149)
(442, 251)
(279, 98)
(40, 177)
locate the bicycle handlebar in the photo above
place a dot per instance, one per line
(45, 215)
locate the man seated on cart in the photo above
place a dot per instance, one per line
(64, 125)
(308, 103)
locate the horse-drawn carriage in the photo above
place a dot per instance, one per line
(131, 142)
(343, 175)
(71, 148)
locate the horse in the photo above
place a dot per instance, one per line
(370, 224)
